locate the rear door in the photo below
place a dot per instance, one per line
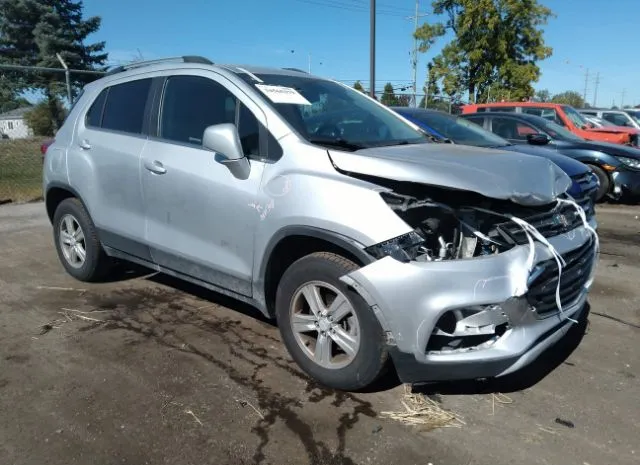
(104, 163)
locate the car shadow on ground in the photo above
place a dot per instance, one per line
(524, 378)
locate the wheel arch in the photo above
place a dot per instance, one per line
(292, 243)
(56, 193)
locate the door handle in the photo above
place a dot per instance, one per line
(84, 144)
(155, 167)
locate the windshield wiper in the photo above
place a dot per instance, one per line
(341, 143)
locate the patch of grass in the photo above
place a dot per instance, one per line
(20, 170)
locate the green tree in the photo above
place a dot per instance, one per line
(569, 97)
(40, 120)
(543, 95)
(9, 98)
(32, 32)
(358, 86)
(388, 95)
(496, 43)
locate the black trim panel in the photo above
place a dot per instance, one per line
(124, 244)
(339, 240)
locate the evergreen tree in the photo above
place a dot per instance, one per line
(33, 31)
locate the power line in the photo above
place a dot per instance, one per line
(354, 7)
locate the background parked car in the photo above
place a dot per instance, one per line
(617, 166)
(563, 115)
(617, 117)
(450, 128)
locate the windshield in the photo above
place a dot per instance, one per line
(459, 130)
(575, 117)
(330, 114)
(558, 132)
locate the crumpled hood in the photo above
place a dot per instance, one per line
(523, 179)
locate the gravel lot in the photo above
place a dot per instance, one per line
(178, 375)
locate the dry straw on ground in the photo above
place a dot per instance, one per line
(424, 413)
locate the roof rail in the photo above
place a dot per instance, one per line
(296, 69)
(139, 64)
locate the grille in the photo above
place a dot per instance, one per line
(588, 188)
(575, 274)
(559, 220)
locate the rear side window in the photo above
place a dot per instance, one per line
(479, 120)
(94, 115)
(125, 106)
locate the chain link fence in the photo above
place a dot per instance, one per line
(20, 169)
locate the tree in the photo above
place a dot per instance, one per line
(569, 97)
(496, 44)
(358, 86)
(543, 95)
(40, 120)
(33, 31)
(388, 95)
(9, 98)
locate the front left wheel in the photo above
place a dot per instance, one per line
(77, 244)
(327, 327)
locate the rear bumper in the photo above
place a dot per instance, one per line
(410, 299)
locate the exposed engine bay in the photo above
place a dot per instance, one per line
(452, 225)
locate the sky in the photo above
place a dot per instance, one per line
(333, 37)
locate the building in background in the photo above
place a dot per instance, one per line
(13, 124)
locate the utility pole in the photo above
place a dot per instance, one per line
(624, 91)
(414, 54)
(372, 50)
(595, 92)
(586, 86)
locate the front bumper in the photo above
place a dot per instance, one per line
(626, 183)
(410, 298)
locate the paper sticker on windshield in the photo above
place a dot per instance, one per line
(278, 94)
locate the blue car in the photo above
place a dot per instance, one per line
(447, 128)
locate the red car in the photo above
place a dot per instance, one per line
(564, 115)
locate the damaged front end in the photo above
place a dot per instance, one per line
(479, 286)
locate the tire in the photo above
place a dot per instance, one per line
(349, 372)
(96, 265)
(605, 183)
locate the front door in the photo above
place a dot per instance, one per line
(198, 216)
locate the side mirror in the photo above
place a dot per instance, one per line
(538, 139)
(223, 139)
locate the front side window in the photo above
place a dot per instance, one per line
(329, 114)
(511, 129)
(125, 105)
(193, 103)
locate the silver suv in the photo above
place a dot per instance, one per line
(369, 244)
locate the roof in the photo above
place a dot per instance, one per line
(517, 104)
(18, 113)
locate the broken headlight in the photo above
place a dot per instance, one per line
(403, 248)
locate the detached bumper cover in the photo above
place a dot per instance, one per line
(410, 298)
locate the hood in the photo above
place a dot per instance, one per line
(568, 165)
(523, 179)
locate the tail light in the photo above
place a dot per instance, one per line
(44, 146)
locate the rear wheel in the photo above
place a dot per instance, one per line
(77, 243)
(327, 327)
(605, 183)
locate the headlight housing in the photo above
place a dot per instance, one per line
(403, 248)
(630, 162)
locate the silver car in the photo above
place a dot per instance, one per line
(369, 244)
